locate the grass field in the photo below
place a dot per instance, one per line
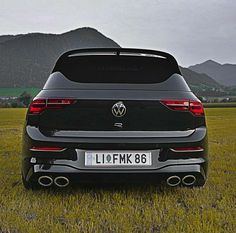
(17, 91)
(121, 209)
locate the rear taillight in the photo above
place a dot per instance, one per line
(196, 108)
(59, 103)
(39, 105)
(193, 106)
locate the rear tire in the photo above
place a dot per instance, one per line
(29, 185)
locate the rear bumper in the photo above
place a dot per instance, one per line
(71, 162)
(122, 176)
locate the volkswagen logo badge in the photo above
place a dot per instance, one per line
(118, 109)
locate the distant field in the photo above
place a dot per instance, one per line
(121, 209)
(219, 105)
(17, 91)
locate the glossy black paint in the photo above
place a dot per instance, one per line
(88, 124)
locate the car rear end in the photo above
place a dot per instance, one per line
(115, 115)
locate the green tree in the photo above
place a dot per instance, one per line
(25, 98)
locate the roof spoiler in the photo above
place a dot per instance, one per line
(117, 52)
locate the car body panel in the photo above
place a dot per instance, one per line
(88, 123)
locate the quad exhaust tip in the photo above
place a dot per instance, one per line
(61, 181)
(173, 181)
(45, 181)
(189, 180)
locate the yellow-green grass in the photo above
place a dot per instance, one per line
(121, 209)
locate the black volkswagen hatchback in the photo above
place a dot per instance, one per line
(115, 114)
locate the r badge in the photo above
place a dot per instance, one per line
(119, 125)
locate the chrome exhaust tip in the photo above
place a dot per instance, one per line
(61, 181)
(45, 181)
(173, 181)
(189, 180)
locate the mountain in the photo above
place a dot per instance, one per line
(196, 79)
(26, 60)
(8, 37)
(224, 74)
(202, 84)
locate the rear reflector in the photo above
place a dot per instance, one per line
(47, 149)
(39, 105)
(187, 149)
(193, 106)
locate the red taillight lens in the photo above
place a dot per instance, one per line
(39, 105)
(181, 105)
(59, 103)
(195, 107)
(47, 149)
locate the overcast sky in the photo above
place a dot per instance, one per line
(192, 30)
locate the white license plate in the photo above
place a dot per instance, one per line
(118, 158)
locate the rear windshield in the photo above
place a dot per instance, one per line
(116, 69)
